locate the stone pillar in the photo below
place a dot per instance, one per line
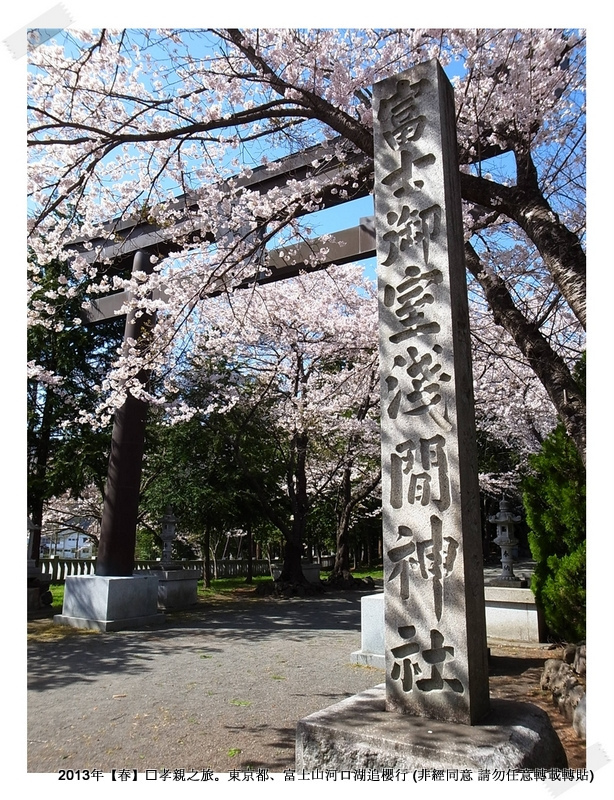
(435, 628)
(436, 656)
(168, 536)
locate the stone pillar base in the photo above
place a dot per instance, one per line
(177, 588)
(110, 603)
(360, 733)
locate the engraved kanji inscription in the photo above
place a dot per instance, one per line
(423, 668)
(430, 559)
(410, 227)
(421, 466)
(411, 298)
(402, 121)
(405, 180)
(415, 387)
(436, 660)
(402, 669)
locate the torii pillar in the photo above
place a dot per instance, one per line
(121, 501)
(115, 598)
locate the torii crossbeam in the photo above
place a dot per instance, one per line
(140, 240)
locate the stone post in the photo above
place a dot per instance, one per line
(436, 656)
(435, 629)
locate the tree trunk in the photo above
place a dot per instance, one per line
(342, 571)
(560, 249)
(341, 568)
(36, 490)
(566, 395)
(250, 571)
(292, 571)
(36, 519)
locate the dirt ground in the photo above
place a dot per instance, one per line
(515, 673)
(220, 687)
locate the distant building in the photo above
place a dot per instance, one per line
(67, 544)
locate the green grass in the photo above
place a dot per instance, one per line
(57, 592)
(376, 574)
(229, 585)
(224, 586)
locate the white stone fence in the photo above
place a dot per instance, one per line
(58, 569)
(237, 567)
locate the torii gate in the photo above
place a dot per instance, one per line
(139, 240)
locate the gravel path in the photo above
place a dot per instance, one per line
(220, 687)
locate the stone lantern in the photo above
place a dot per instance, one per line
(38, 584)
(169, 523)
(505, 539)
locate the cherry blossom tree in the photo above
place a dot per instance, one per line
(81, 513)
(305, 350)
(206, 468)
(66, 461)
(122, 122)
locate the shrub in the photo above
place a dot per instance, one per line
(554, 498)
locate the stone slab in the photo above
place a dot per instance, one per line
(368, 659)
(107, 603)
(511, 615)
(371, 653)
(372, 623)
(360, 733)
(310, 571)
(177, 588)
(508, 594)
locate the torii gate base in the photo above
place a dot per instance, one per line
(105, 603)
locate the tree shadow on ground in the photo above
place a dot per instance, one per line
(59, 656)
(508, 665)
